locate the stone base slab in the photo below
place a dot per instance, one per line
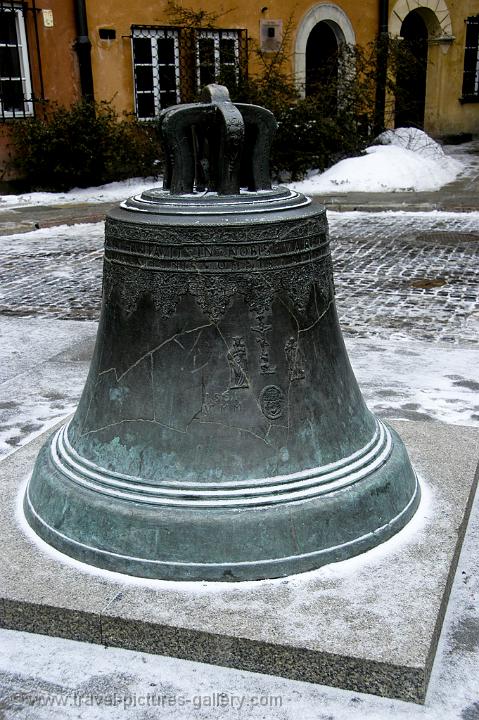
(368, 624)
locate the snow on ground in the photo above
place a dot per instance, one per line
(43, 368)
(412, 380)
(112, 192)
(402, 160)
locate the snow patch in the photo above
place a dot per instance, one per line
(112, 192)
(402, 160)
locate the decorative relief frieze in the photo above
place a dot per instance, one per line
(214, 294)
(256, 261)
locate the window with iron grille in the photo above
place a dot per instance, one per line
(217, 57)
(470, 84)
(15, 83)
(172, 64)
(156, 70)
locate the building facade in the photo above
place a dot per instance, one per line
(449, 88)
(38, 61)
(137, 55)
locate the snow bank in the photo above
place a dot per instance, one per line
(112, 192)
(402, 160)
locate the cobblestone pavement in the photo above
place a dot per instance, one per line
(52, 273)
(410, 273)
(416, 273)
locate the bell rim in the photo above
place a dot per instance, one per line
(228, 571)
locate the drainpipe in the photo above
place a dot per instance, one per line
(83, 49)
(382, 67)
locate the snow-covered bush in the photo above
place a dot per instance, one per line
(411, 138)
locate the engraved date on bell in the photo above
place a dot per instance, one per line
(272, 402)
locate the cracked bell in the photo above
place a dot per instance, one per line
(221, 434)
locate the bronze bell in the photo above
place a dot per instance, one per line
(221, 434)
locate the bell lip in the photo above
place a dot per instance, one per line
(242, 571)
(161, 202)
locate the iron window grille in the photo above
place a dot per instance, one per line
(217, 57)
(156, 70)
(470, 84)
(15, 82)
(171, 64)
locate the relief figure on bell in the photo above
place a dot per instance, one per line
(238, 362)
(295, 359)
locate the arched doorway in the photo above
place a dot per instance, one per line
(325, 27)
(322, 56)
(432, 38)
(411, 73)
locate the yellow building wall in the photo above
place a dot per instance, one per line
(59, 65)
(445, 113)
(112, 61)
(58, 57)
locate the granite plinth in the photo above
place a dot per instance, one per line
(368, 624)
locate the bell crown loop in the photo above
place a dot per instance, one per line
(216, 146)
